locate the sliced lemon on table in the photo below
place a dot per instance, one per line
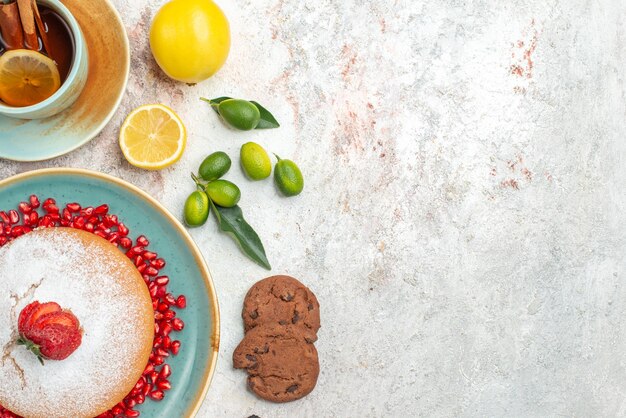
(27, 77)
(153, 137)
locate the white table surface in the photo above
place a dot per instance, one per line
(463, 217)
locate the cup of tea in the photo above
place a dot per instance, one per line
(44, 60)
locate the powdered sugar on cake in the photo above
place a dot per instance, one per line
(78, 276)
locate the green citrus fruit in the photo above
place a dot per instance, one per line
(240, 114)
(223, 193)
(196, 210)
(255, 161)
(288, 177)
(215, 166)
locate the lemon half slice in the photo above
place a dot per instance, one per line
(153, 137)
(27, 77)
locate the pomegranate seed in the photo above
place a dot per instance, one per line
(162, 280)
(101, 210)
(169, 315)
(131, 413)
(24, 208)
(34, 202)
(161, 291)
(149, 369)
(122, 229)
(167, 342)
(164, 385)
(137, 250)
(146, 389)
(88, 211)
(178, 324)
(14, 217)
(158, 316)
(149, 255)
(140, 383)
(51, 208)
(158, 360)
(151, 271)
(126, 242)
(159, 263)
(34, 218)
(79, 223)
(165, 372)
(49, 201)
(175, 347)
(67, 215)
(154, 375)
(166, 328)
(131, 403)
(181, 302)
(113, 238)
(74, 207)
(5, 217)
(117, 410)
(140, 398)
(162, 352)
(157, 341)
(3, 240)
(169, 298)
(110, 220)
(89, 227)
(157, 395)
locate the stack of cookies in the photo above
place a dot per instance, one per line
(281, 318)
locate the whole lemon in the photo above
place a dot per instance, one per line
(190, 39)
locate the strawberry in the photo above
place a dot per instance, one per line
(49, 331)
(33, 312)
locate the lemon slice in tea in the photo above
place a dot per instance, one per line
(153, 137)
(27, 77)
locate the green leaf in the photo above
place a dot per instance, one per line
(31, 346)
(232, 222)
(215, 102)
(268, 121)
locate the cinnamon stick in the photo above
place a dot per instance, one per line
(28, 24)
(11, 26)
(42, 30)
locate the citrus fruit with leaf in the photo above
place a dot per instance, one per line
(190, 39)
(240, 114)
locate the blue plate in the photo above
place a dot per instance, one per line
(193, 367)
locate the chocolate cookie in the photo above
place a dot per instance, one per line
(282, 365)
(281, 300)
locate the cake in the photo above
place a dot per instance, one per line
(95, 282)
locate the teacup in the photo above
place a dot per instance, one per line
(74, 83)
